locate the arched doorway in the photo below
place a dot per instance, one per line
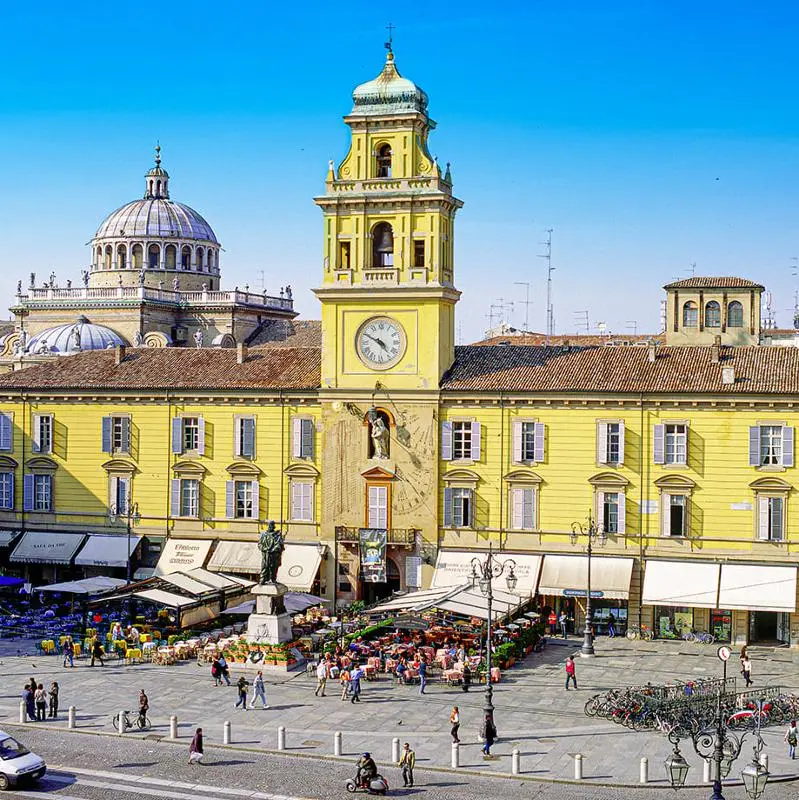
(374, 592)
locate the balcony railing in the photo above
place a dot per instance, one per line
(405, 537)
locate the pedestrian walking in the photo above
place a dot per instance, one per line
(355, 684)
(30, 703)
(611, 625)
(563, 619)
(68, 650)
(242, 688)
(40, 696)
(422, 675)
(216, 672)
(321, 677)
(791, 736)
(344, 680)
(455, 723)
(746, 671)
(144, 707)
(54, 700)
(490, 735)
(196, 747)
(467, 676)
(97, 652)
(224, 670)
(407, 762)
(259, 690)
(34, 684)
(553, 622)
(571, 674)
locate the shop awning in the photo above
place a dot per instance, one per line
(106, 551)
(298, 566)
(186, 583)
(567, 576)
(681, 583)
(757, 588)
(295, 602)
(88, 586)
(165, 598)
(47, 547)
(214, 579)
(180, 555)
(412, 601)
(454, 568)
(6, 537)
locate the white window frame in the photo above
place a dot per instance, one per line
(191, 435)
(771, 454)
(666, 503)
(43, 424)
(240, 442)
(461, 440)
(189, 506)
(459, 507)
(7, 431)
(605, 442)
(765, 519)
(377, 500)
(7, 490)
(523, 508)
(621, 509)
(302, 500)
(303, 435)
(118, 488)
(42, 493)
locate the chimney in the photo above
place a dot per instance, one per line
(728, 376)
(651, 352)
(119, 354)
(715, 350)
(241, 353)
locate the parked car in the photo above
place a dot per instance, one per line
(18, 765)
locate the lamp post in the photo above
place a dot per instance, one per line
(132, 517)
(592, 534)
(483, 574)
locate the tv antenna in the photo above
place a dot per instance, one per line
(632, 323)
(547, 256)
(526, 303)
(581, 321)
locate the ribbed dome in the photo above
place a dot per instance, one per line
(61, 339)
(157, 218)
(389, 93)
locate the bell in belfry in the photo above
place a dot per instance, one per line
(384, 245)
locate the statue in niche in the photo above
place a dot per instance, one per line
(378, 430)
(138, 339)
(175, 283)
(198, 338)
(142, 276)
(19, 288)
(84, 274)
(271, 545)
(76, 338)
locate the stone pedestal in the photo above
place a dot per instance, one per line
(270, 623)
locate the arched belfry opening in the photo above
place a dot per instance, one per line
(384, 161)
(383, 245)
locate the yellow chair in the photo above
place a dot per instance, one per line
(75, 649)
(133, 655)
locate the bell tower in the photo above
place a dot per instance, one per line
(388, 295)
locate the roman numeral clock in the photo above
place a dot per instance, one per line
(380, 342)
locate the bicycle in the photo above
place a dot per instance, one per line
(642, 632)
(141, 721)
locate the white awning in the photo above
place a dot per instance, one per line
(568, 576)
(106, 551)
(180, 555)
(757, 588)
(6, 537)
(186, 583)
(96, 585)
(165, 598)
(47, 547)
(413, 600)
(213, 579)
(454, 568)
(681, 583)
(298, 565)
(236, 557)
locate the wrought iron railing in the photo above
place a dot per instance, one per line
(397, 536)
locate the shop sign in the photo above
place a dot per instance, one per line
(582, 593)
(373, 554)
(411, 623)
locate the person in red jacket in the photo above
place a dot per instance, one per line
(571, 675)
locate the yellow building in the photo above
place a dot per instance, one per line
(681, 453)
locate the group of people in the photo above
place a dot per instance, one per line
(38, 699)
(258, 691)
(349, 675)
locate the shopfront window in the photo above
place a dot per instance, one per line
(603, 612)
(672, 621)
(721, 625)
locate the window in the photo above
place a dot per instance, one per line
(153, 256)
(245, 437)
(771, 445)
(116, 435)
(771, 525)
(712, 315)
(189, 497)
(185, 258)
(610, 443)
(383, 245)
(119, 495)
(528, 442)
(6, 431)
(458, 511)
(302, 501)
(43, 433)
(610, 511)
(6, 490)
(671, 443)
(690, 315)
(377, 506)
(244, 498)
(302, 438)
(384, 161)
(522, 506)
(675, 519)
(343, 573)
(42, 492)
(188, 435)
(418, 252)
(735, 315)
(344, 255)
(191, 433)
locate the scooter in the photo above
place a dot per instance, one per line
(378, 785)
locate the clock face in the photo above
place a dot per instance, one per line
(380, 342)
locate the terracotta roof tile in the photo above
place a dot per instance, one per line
(289, 333)
(714, 283)
(577, 340)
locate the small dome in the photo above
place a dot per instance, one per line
(156, 217)
(64, 339)
(389, 93)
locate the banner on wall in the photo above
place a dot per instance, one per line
(373, 554)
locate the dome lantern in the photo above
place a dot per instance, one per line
(157, 180)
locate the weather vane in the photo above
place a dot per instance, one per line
(390, 28)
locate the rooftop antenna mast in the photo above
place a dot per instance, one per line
(581, 321)
(526, 303)
(632, 323)
(795, 274)
(547, 256)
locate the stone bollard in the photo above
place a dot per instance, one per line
(71, 721)
(395, 750)
(707, 766)
(578, 767)
(456, 755)
(516, 762)
(764, 760)
(173, 727)
(23, 713)
(121, 723)
(281, 738)
(337, 743)
(226, 737)
(643, 774)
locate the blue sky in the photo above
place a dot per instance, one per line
(649, 135)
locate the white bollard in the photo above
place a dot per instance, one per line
(281, 738)
(173, 727)
(395, 750)
(578, 767)
(337, 743)
(121, 723)
(23, 714)
(707, 766)
(764, 760)
(71, 722)
(456, 755)
(516, 762)
(643, 775)
(226, 737)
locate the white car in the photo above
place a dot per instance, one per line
(17, 763)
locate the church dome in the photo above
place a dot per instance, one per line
(388, 93)
(75, 338)
(156, 218)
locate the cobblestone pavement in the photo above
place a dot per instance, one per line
(534, 713)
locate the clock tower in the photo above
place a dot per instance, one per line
(387, 293)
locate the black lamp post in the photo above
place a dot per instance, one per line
(483, 574)
(132, 517)
(592, 534)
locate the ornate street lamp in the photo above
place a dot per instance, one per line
(676, 766)
(592, 534)
(483, 574)
(755, 775)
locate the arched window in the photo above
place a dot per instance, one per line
(122, 256)
(158, 188)
(690, 315)
(99, 261)
(171, 256)
(151, 188)
(384, 161)
(153, 256)
(712, 315)
(108, 256)
(185, 257)
(137, 253)
(735, 315)
(199, 259)
(383, 245)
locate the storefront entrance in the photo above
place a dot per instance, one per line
(769, 627)
(374, 592)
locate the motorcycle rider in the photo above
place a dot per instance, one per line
(367, 769)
